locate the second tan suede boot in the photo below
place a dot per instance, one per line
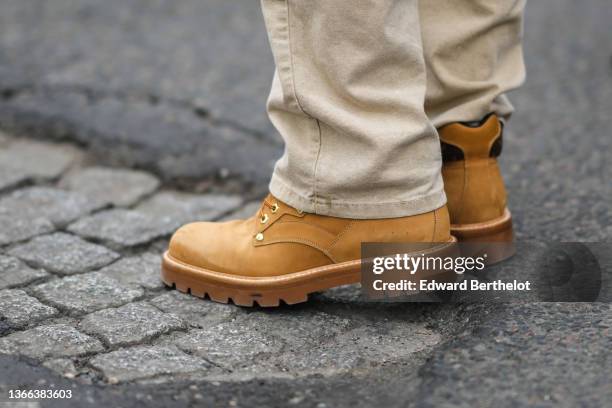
(282, 254)
(473, 182)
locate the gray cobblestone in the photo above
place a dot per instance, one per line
(52, 341)
(142, 270)
(130, 324)
(146, 362)
(160, 245)
(64, 254)
(196, 312)
(181, 208)
(245, 212)
(38, 160)
(16, 228)
(19, 309)
(121, 228)
(119, 187)
(24, 160)
(86, 293)
(58, 206)
(13, 272)
(10, 177)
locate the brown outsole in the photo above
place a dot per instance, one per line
(248, 291)
(498, 233)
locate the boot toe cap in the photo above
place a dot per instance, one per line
(209, 245)
(186, 244)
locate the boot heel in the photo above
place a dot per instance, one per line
(493, 238)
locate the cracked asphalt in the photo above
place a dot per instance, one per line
(124, 119)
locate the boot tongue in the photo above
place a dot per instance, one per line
(282, 206)
(270, 199)
(474, 142)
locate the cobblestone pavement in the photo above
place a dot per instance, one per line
(80, 297)
(81, 303)
(80, 291)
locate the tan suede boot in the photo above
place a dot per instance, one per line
(284, 254)
(473, 182)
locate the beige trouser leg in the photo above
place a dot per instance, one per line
(348, 98)
(473, 53)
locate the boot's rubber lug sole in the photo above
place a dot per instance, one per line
(498, 230)
(270, 291)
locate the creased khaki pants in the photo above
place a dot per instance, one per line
(361, 86)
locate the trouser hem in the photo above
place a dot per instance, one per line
(356, 210)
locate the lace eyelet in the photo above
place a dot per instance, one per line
(259, 237)
(275, 208)
(264, 218)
